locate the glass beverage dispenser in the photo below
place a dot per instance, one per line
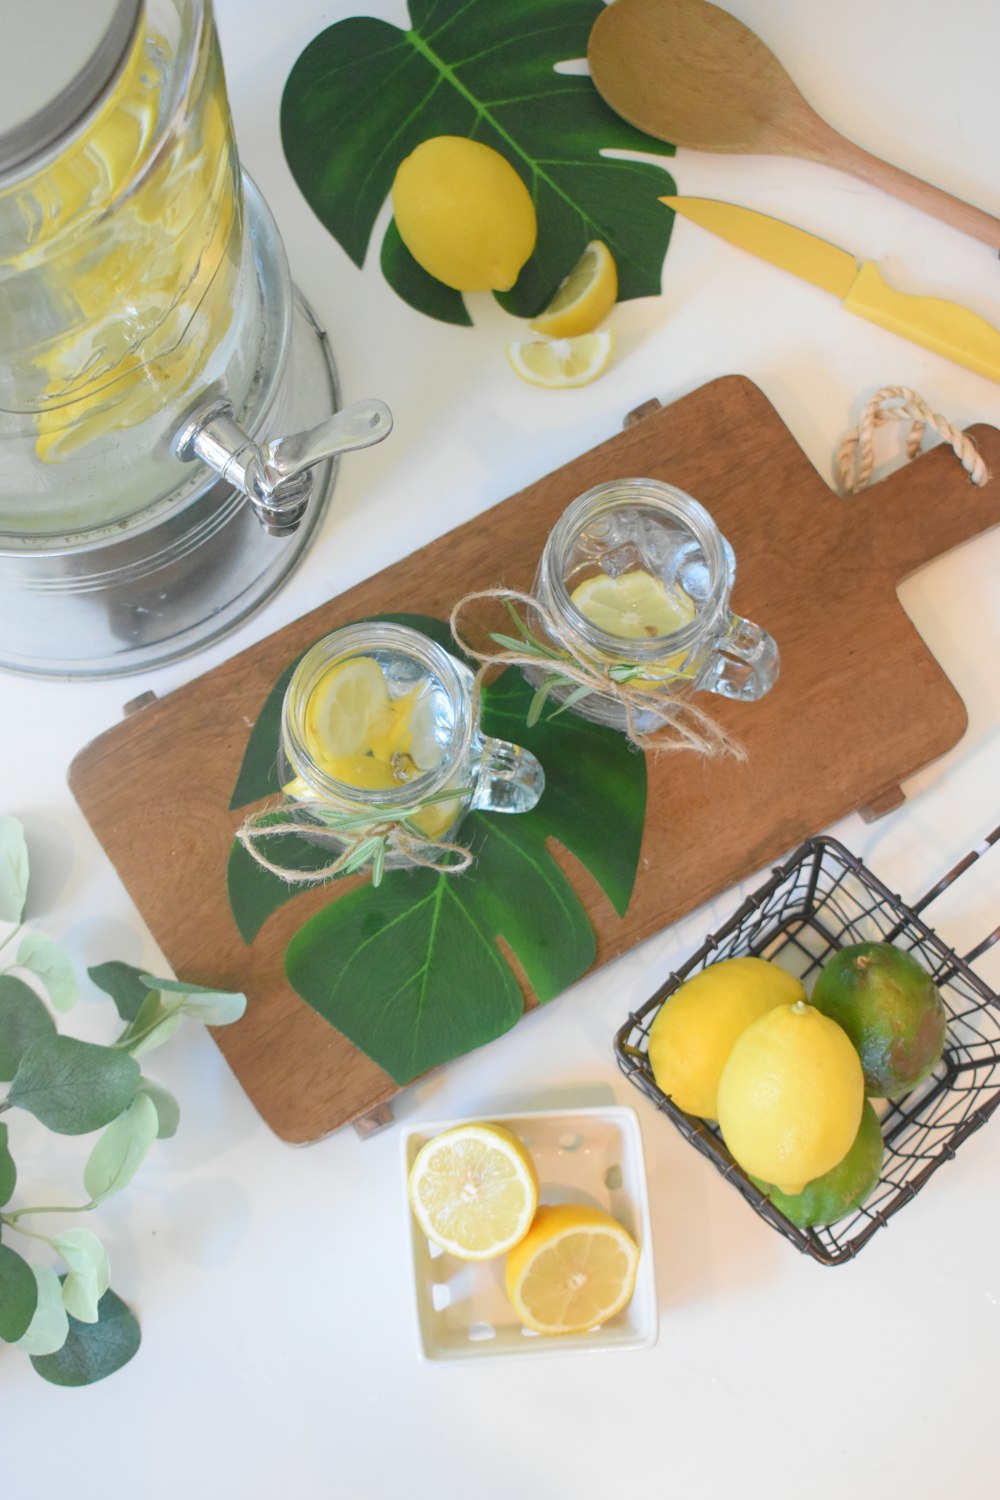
(153, 352)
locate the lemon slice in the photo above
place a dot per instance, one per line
(425, 748)
(364, 772)
(574, 1269)
(409, 729)
(348, 710)
(562, 362)
(636, 605)
(583, 297)
(474, 1190)
(438, 817)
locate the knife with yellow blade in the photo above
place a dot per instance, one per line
(945, 327)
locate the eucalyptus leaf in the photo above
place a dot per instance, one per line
(213, 1007)
(123, 982)
(74, 1087)
(18, 1295)
(49, 1326)
(93, 1351)
(121, 1149)
(364, 93)
(14, 869)
(44, 958)
(24, 1018)
(88, 1272)
(155, 1023)
(168, 1111)
(8, 1171)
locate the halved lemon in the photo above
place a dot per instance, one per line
(348, 710)
(474, 1190)
(635, 605)
(583, 297)
(558, 363)
(574, 1269)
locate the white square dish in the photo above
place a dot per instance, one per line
(592, 1156)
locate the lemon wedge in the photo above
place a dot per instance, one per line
(560, 363)
(348, 710)
(583, 297)
(574, 1269)
(474, 1190)
(636, 605)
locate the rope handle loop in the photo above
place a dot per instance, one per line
(855, 459)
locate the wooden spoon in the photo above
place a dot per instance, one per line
(690, 73)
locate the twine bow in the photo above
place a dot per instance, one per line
(855, 459)
(679, 724)
(369, 838)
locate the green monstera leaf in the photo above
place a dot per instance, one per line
(364, 94)
(411, 971)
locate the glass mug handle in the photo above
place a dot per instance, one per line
(745, 662)
(508, 778)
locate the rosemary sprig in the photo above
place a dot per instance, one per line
(527, 643)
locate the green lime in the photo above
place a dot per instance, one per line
(891, 1010)
(841, 1190)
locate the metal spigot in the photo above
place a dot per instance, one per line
(276, 478)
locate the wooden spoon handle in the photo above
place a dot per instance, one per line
(836, 151)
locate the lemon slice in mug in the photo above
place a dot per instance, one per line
(348, 710)
(636, 605)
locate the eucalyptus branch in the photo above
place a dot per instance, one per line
(11, 1219)
(78, 1088)
(10, 936)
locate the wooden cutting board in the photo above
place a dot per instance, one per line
(860, 704)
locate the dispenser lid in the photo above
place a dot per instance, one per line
(57, 60)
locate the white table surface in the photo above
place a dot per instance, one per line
(279, 1351)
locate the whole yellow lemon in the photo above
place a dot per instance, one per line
(464, 214)
(696, 1029)
(791, 1096)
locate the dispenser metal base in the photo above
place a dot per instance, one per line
(129, 597)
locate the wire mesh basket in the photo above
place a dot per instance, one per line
(820, 900)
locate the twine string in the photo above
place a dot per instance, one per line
(679, 723)
(855, 458)
(386, 835)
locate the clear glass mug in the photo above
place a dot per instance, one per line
(629, 526)
(423, 741)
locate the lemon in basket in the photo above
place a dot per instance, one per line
(841, 1190)
(474, 1190)
(791, 1096)
(892, 1011)
(697, 1027)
